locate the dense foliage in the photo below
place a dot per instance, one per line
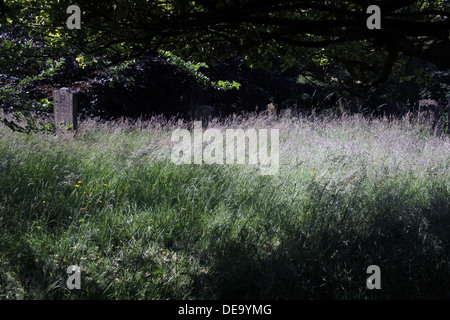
(141, 227)
(139, 57)
(351, 191)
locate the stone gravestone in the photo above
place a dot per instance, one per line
(65, 107)
(430, 110)
(448, 114)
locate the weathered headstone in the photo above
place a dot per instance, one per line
(271, 109)
(430, 110)
(448, 114)
(65, 107)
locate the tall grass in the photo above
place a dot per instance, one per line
(351, 192)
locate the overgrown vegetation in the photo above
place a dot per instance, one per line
(110, 201)
(352, 191)
(239, 66)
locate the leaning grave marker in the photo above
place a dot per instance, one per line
(65, 107)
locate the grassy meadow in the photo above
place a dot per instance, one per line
(350, 192)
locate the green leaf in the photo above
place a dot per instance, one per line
(157, 271)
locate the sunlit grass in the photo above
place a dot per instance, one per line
(350, 192)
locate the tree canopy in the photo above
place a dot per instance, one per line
(327, 47)
(318, 32)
